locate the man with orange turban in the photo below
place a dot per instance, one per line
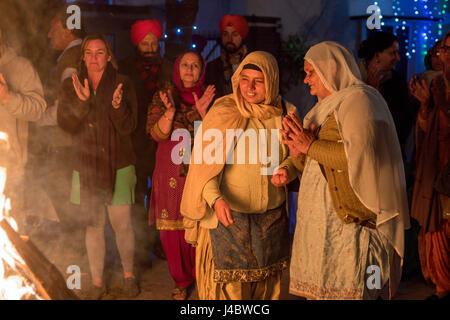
(233, 30)
(148, 71)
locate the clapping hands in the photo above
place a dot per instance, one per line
(298, 141)
(419, 90)
(297, 138)
(167, 99)
(82, 92)
(203, 103)
(117, 96)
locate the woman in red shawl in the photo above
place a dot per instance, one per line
(176, 107)
(430, 204)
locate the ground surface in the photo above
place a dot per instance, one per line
(67, 248)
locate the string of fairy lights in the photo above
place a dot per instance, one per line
(179, 31)
(426, 31)
(424, 34)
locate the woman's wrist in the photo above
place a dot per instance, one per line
(424, 108)
(202, 113)
(423, 114)
(116, 105)
(309, 146)
(170, 116)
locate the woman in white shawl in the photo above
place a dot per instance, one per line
(353, 210)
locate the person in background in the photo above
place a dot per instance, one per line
(177, 106)
(148, 71)
(353, 208)
(412, 261)
(431, 202)
(98, 107)
(380, 54)
(433, 64)
(68, 43)
(21, 102)
(50, 169)
(233, 31)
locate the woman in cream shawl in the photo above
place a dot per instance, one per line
(242, 249)
(335, 255)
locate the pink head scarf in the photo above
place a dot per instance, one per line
(142, 27)
(186, 94)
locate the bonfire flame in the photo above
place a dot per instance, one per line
(12, 287)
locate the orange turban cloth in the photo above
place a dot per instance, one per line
(237, 22)
(142, 27)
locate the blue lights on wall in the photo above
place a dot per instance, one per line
(418, 24)
(426, 32)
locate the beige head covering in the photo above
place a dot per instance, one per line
(269, 67)
(228, 112)
(371, 144)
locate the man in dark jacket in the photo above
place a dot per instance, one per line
(148, 71)
(233, 30)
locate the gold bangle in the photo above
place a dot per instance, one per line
(164, 115)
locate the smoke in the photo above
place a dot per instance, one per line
(55, 225)
(44, 212)
(26, 24)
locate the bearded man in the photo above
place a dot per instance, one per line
(148, 71)
(233, 30)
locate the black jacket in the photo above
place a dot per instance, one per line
(395, 92)
(144, 148)
(214, 74)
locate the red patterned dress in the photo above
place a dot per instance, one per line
(167, 187)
